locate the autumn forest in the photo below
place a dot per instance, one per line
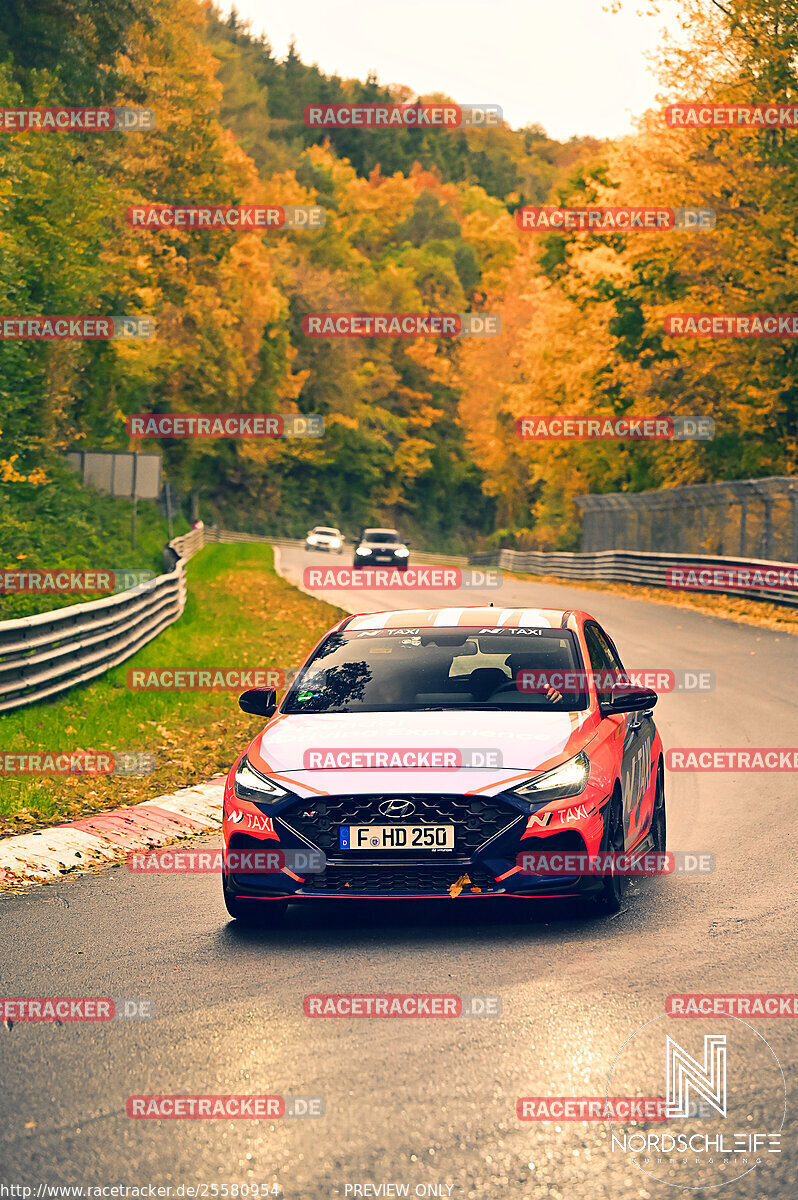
(418, 431)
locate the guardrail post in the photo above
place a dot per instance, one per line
(767, 525)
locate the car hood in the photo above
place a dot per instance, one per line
(526, 743)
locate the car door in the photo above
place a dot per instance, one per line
(636, 781)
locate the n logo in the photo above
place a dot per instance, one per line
(685, 1074)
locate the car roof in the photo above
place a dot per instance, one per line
(504, 618)
(379, 529)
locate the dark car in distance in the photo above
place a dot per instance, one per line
(381, 547)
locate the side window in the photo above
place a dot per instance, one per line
(601, 658)
(608, 648)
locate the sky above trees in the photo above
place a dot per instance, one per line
(570, 65)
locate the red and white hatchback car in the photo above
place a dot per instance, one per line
(422, 752)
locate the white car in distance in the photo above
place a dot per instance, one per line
(323, 537)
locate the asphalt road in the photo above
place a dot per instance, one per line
(422, 1102)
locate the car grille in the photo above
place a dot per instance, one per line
(475, 819)
(399, 878)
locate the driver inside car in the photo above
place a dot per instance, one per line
(530, 662)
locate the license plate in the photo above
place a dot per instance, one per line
(383, 558)
(396, 837)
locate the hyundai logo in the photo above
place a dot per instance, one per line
(397, 808)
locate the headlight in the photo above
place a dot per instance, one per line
(569, 779)
(362, 550)
(249, 784)
(402, 552)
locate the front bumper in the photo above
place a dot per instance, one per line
(381, 560)
(488, 832)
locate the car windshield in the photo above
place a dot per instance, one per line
(406, 670)
(380, 535)
(323, 529)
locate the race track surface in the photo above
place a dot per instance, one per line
(417, 1102)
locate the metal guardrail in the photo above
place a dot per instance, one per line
(641, 567)
(214, 534)
(49, 653)
(43, 655)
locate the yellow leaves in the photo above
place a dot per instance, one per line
(8, 472)
(292, 385)
(412, 457)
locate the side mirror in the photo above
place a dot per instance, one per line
(261, 702)
(408, 544)
(628, 699)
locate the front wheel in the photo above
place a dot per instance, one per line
(613, 886)
(263, 914)
(658, 819)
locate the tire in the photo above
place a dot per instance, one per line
(262, 914)
(610, 898)
(659, 824)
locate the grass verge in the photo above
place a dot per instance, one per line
(239, 614)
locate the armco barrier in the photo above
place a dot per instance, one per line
(637, 566)
(43, 655)
(46, 654)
